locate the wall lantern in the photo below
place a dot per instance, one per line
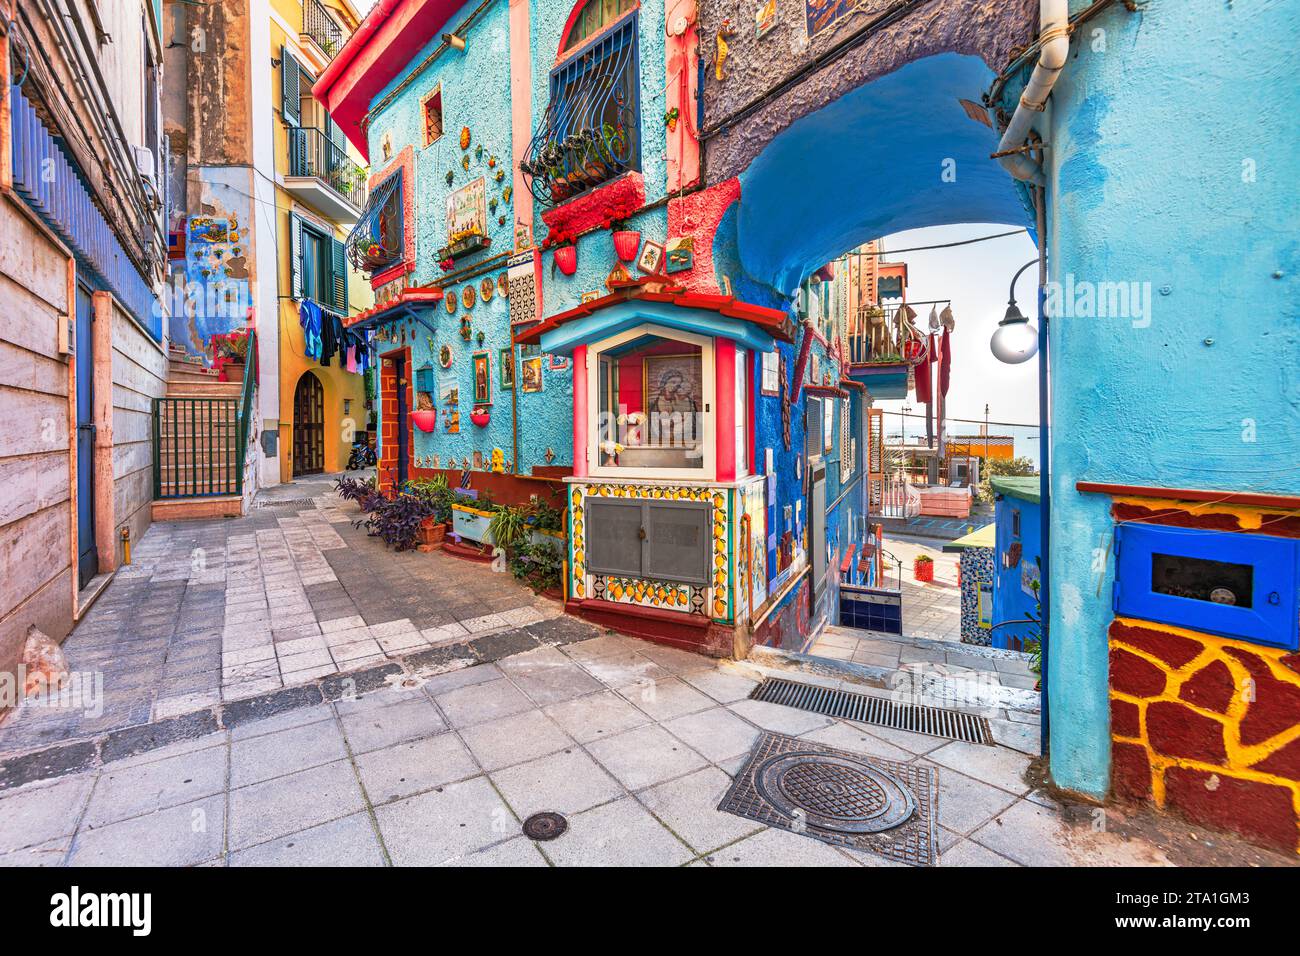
(1015, 340)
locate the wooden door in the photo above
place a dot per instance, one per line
(308, 426)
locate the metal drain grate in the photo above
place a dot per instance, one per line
(283, 503)
(917, 718)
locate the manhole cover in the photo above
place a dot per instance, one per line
(847, 799)
(546, 825)
(834, 793)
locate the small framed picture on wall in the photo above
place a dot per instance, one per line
(652, 257)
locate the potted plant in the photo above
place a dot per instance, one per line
(480, 416)
(626, 241)
(566, 257)
(397, 520)
(232, 351)
(923, 568)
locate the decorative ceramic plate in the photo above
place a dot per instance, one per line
(485, 289)
(467, 297)
(449, 303)
(503, 284)
(444, 356)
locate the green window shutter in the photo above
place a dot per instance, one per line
(339, 276)
(290, 88)
(295, 256)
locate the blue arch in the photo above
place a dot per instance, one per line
(868, 164)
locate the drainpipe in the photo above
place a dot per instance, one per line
(1054, 48)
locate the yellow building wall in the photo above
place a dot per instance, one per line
(344, 393)
(975, 449)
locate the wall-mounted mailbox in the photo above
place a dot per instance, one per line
(1228, 583)
(424, 380)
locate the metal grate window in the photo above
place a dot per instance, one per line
(590, 132)
(663, 541)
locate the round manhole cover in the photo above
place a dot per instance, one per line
(546, 825)
(835, 793)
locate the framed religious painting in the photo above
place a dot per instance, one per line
(482, 378)
(507, 375)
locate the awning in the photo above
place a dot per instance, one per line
(984, 537)
(656, 299)
(413, 303)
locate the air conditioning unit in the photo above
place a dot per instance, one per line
(147, 166)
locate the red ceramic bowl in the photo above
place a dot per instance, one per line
(425, 419)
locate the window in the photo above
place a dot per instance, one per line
(291, 77)
(319, 265)
(771, 373)
(432, 111)
(1015, 522)
(378, 240)
(594, 17)
(590, 132)
(656, 540)
(650, 400)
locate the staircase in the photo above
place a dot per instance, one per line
(200, 435)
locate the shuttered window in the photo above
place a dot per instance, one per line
(291, 75)
(319, 266)
(657, 541)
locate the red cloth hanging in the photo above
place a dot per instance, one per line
(923, 378)
(945, 363)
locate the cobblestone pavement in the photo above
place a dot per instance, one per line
(633, 742)
(212, 611)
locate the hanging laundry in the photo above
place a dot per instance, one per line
(310, 315)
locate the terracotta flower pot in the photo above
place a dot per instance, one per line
(480, 417)
(425, 419)
(431, 534)
(566, 259)
(626, 243)
(923, 569)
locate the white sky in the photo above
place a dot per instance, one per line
(976, 278)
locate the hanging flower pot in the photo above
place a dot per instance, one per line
(480, 417)
(566, 258)
(626, 244)
(425, 419)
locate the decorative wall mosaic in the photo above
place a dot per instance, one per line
(717, 598)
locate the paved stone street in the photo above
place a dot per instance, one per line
(219, 610)
(635, 743)
(466, 707)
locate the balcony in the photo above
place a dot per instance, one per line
(322, 175)
(590, 131)
(876, 341)
(321, 29)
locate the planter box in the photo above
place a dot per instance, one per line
(431, 535)
(463, 248)
(471, 524)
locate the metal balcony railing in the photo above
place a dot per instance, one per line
(590, 132)
(878, 334)
(322, 28)
(312, 153)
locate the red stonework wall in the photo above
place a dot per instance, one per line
(1206, 726)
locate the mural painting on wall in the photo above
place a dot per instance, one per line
(217, 297)
(820, 15)
(466, 218)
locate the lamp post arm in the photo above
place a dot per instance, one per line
(1011, 295)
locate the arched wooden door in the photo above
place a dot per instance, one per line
(308, 426)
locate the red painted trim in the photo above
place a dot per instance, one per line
(560, 55)
(801, 364)
(689, 632)
(597, 208)
(655, 288)
(1247, 498)
(724, 378)
(847, 563)
(580, 468)
(825, 391)
(391, 273)
(749, 411)
(415, 295)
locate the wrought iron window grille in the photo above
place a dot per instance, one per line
(590, 132)
(377, 241)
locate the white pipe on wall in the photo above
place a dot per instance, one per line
(1054, 48)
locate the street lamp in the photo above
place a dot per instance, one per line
(1015, 340)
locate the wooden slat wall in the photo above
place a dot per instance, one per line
(139, 376)
(35, 510)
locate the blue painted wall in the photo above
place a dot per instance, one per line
(1188, 186)
(476, 94)
(1011, 600)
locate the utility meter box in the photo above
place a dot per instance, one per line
(1228, 583)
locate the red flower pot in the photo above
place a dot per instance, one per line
(425, 419)
(480, 417)
(626, 244)
(566, 258)
(923, 570)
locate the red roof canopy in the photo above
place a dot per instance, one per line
(658, 288)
